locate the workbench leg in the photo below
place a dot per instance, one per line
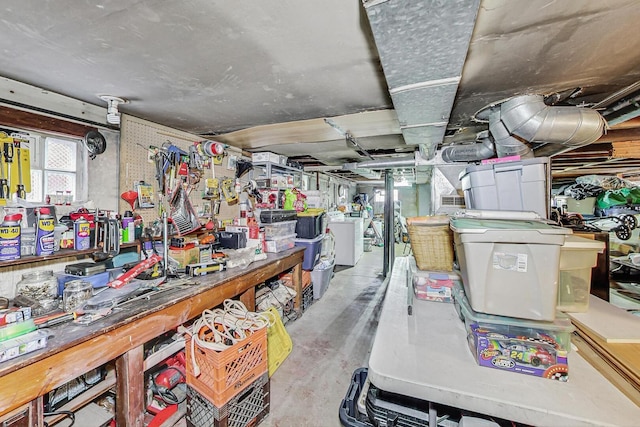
(130, 388)
(296, 277)
(248, 298)
(37, 411)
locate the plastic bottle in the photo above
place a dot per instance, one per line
(45, 238)
(128, 227)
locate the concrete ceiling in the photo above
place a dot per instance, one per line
(247, 72)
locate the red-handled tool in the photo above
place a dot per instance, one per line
(131, 274)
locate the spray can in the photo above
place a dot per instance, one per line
(45, 239)
(81, 234)
(10, 237)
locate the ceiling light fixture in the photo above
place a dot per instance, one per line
(113, 115)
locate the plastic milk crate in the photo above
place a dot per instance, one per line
(246, 409)
(223, 374)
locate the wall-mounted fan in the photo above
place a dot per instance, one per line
(95, 143)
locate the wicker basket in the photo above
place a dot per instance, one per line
(431, 242)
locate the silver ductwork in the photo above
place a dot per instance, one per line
(422, 46)
(527, 119)
(389, 163)
(523, 120)
(470, 152)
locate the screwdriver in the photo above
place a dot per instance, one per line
(4, 187)
(8, 158)
(20, 189)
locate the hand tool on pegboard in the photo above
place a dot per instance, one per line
(228, 186)
(5, 191)
(20, 186)
(22, 147)
(7, 148)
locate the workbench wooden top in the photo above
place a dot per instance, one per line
(75, 349)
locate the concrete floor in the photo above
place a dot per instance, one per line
(330, 341)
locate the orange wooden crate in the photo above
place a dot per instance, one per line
(223, 374)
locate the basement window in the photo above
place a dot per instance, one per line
(58, 169)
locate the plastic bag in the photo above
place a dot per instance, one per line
(623, 196)
(295, 200)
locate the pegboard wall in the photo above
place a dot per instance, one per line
(137, 136)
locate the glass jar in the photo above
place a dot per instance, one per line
(38, 285)
(75, 293)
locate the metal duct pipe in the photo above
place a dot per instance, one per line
(470, 153)
(506, 145)
(399, 162)
(528, 118)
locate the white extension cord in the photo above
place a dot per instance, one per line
(227, 325)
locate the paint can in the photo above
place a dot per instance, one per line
(10, 237)
(81, 234)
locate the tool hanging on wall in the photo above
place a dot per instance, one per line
(212, 194)
(4, 182)
(228, 186)
(20, 193)
(8, 159)
(5, 189)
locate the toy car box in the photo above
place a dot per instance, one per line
(523, 346)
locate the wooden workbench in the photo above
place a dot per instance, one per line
(73, 350)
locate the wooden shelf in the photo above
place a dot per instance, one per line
(62, 253)
(86, 396)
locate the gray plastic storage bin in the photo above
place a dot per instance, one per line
(509, 267)
(508, 186)
(320, 277)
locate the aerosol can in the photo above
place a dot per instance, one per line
(45, 237)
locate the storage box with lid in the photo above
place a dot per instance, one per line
(578, 256)
(510, 186)
(280, 244)
(524, 346)
(431, 242)
(586, 206)
(312, 249)
(311, 223)
(509, 267)
(431, 285)
(265, 156)
(279, 229)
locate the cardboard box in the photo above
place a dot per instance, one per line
(265, 156)
(517, 345)
(184, 256)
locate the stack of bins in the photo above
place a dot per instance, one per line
(279, 227)
(311, 228)
(510, 270)
(228, 387)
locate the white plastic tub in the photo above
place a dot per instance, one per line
(578, 256)
(509, 267)
(509, 186)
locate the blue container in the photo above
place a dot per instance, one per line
(98, 280)
(312, 250)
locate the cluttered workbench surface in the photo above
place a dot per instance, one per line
(73, 348)
(425, 355)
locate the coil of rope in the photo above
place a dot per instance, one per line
(220, 328)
